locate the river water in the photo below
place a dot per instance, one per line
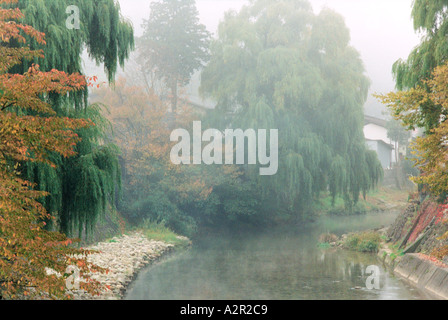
(281, 265)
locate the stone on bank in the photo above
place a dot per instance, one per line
(124, 257)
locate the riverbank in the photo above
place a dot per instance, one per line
(422, 271)
(415, 247)
(125, 256)
(381, 199)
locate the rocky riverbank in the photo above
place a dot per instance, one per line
(415, 247)
(421, 271)
(124, 257)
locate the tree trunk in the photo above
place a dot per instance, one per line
(406, 238)
(174, 99)
(396, 153)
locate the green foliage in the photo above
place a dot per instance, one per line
(231, 200)
(326, 204)
(183, 197)
(275, 65)
(398, 133)
(363, 242)
(160, 232)
(430, 19)
(157, 206)
(80, 187)
(408, 164)
(103, 32)
(90, 184)
(174, 44)
(422, 100)
(324, 246)
(429, 151)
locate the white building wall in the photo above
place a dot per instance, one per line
(375, 132)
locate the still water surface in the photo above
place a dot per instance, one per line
(281, 265)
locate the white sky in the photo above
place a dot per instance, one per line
(381, 31)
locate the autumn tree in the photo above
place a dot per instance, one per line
(430, 21)
(399, 135)
(420, 102)
(83, 187)
(277, 65)
(174, 44)
(430, 150)
(31, 131)
(183, 197)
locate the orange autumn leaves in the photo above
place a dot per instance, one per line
(11, 29)
(142, 127)
(30, 130)
(415, 108)
(26, 249)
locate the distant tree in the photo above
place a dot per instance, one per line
(184, 197)
(430, 150)
(399, 135)
(174, 44)
(421, 100)
(277, 65)
(430, 19)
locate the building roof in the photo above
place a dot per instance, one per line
(198, 102)
(373, 120)
(388, 145)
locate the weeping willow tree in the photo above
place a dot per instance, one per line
(80, 187)
(430, 19)
(420, 102)
(276, 65)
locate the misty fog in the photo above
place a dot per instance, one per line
(381, 30)
(223, 149)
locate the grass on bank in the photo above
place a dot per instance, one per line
(363, 242)
(113, 225)
(325, 206)
(159, 232)
(380, 199)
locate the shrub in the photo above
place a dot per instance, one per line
(363, 242)
(160, 232)
(440, 253)
(328, 238)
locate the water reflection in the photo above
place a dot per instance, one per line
(276, 266)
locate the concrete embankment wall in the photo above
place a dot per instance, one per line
(423, 274)
(414, 246)
(419, 272)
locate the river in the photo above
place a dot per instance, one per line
(281, 265)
